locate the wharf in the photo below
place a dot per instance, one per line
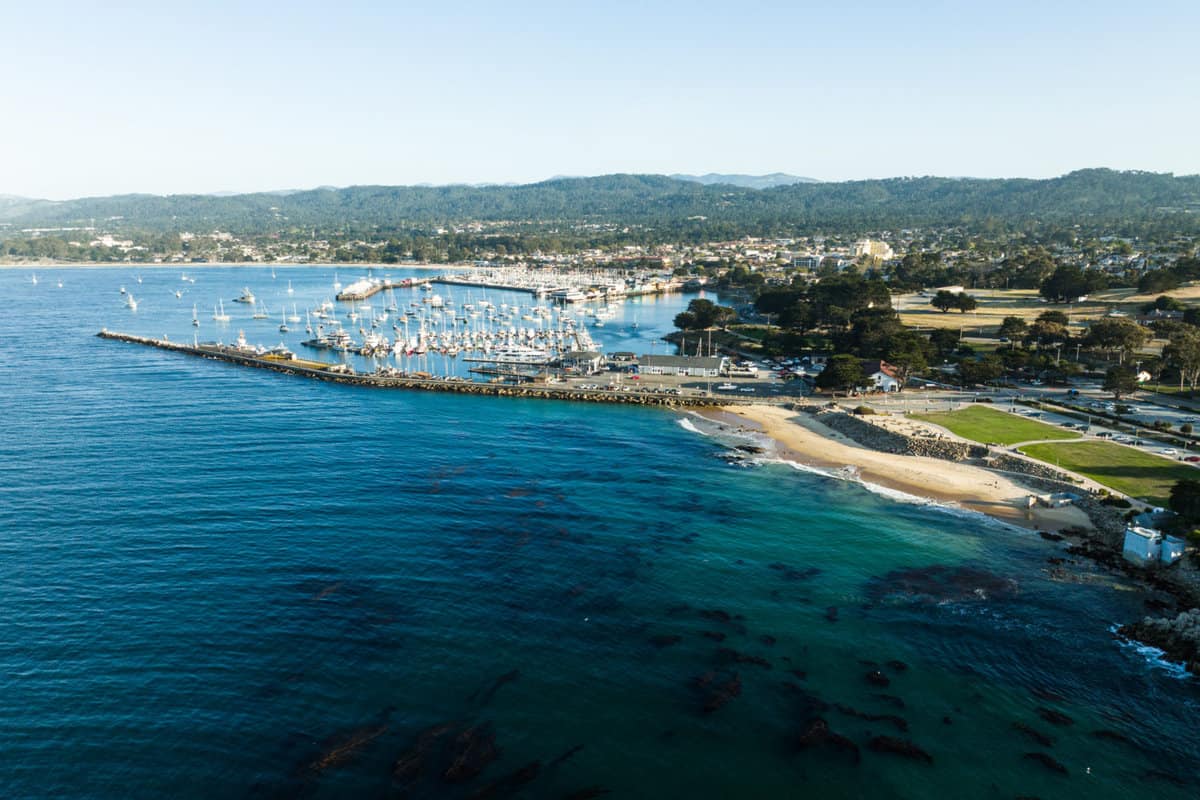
(361, 290)
(338, 373)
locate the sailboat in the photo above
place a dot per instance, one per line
(130, 303)
(260, 311)
(33, 279)
(283, 327)
(337, 285)
(307, 322)
(295, 315)
(290, 289)
(220, 316)
(195, 319)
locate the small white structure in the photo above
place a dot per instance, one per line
(880, 376)
(1148, 546)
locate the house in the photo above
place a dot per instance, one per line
(1158, 315)
(692, 366)
(880, 376)
(1148, 546)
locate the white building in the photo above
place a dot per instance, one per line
(1148, 546)
(692, 366)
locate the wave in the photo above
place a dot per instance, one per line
(687, 425)
(1153, 656)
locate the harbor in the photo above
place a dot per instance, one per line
(390, 378)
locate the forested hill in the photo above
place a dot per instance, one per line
(1097, 195)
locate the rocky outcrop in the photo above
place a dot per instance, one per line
(876, 437)
(1179, 638)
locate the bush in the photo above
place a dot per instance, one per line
(1193, 538)
(1161, 425)
(1185, 427)
(1116, 502)
(864, 411)
(985, 400)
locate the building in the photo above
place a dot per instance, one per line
(691, 366)
(584, 362)
(1147, 546)
(873, 248)
(880, 376)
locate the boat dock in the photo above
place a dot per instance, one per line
(366, 287)
(342, 373)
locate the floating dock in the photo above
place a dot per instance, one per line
(341, 373)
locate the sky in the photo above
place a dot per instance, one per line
(112, 97)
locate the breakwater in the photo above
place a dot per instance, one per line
(338, 373)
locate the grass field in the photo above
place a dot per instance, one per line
(1131, 471)
(989, 426)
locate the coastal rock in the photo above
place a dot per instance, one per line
(729, 655)
(717, 689)
(900, 723)
(817, 733)
(1178, 637)
(939, 584)
(900, 747)
(665, 640)
(474, 749)
(1054, 717)
(1047, 762)
(1034, 733)
(877, 678)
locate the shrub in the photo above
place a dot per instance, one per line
(1116, 502)
(864, 411)
(986, 400)
(1185, 427)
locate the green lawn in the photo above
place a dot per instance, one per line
(1131, 471)
(987, 425)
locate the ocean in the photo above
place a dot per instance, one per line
(222, 582)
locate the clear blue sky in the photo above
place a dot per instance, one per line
(164, 97)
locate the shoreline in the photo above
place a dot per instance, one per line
(182, 266)
(808, 442)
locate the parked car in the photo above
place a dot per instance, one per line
(1168, 451)
(1192, 459)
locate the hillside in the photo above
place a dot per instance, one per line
(653, 200)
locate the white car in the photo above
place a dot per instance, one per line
(1168, 451)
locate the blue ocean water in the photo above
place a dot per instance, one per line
(220, 582)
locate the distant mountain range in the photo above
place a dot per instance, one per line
(746, 181)
(716, 208)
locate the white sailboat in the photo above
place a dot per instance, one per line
(130, 303)
(195, 319)
(283, 326)
(295, 315)
(290, 289)
(260, 312)
(220, 315)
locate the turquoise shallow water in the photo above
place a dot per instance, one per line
(221, 582)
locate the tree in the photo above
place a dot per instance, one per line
(1183, 353)
(1054, 317)
(1185, 499)
(909, 353)
(1119, 380)
(1013, 328)
(965, 302)
(944, 300)
(842, 373)
(944, 341)
(702, 313)
(1116, 334)
(985, 369)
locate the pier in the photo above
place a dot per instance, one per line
(342, 373)
(366, 287)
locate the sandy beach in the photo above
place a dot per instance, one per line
(804, 440)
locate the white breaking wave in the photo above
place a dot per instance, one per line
(1153, 656)
(687, 425)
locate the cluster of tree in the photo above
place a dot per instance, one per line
(702, 314)
(945, 300)
(1069, 282)
(1168, 278)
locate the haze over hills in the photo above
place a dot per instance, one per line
(647, 200)
(746, 181)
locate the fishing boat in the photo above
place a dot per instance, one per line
(246, 297)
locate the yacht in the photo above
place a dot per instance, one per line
(519, 354)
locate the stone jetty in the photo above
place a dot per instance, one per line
(339, 373)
